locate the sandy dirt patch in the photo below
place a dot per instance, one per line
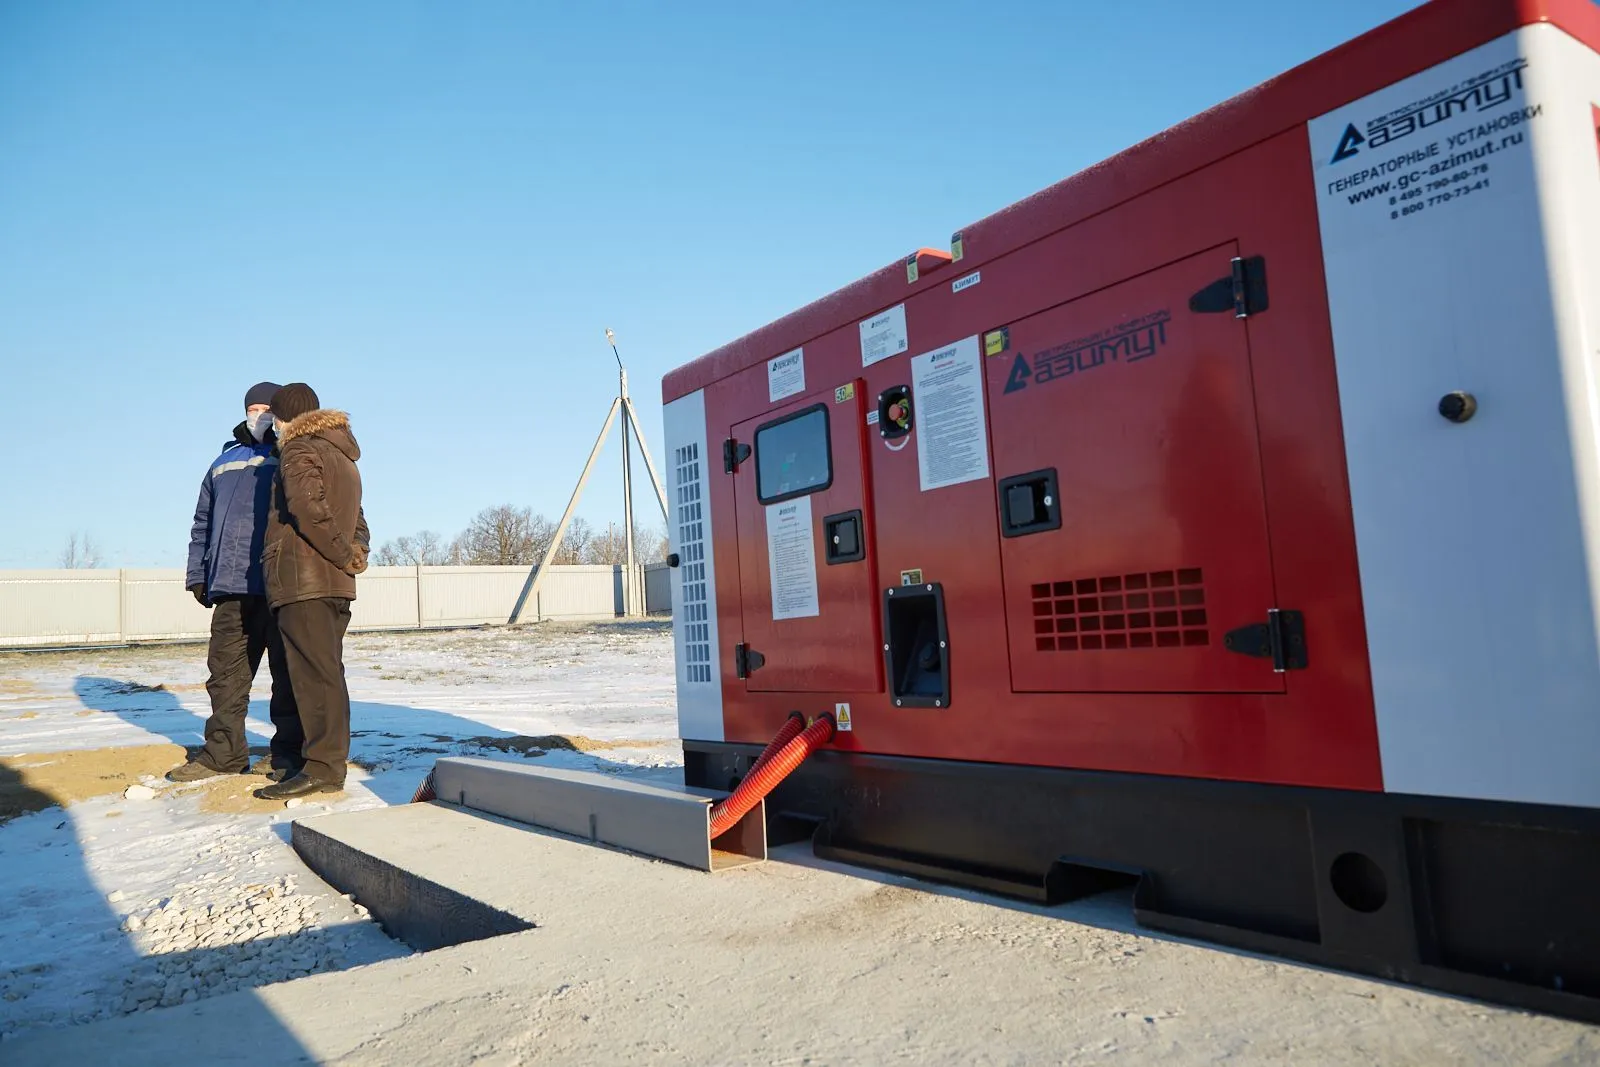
(234, 794)
(538, 746)
(56, 779)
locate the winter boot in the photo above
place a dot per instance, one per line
(276, 774)
(193, 771)
(300, 785)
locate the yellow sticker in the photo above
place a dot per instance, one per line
(913, 577)
(997, 341)
(841, 717)
(911, 268)
(955, 247)
(844, 392)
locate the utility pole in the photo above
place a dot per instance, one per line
(629, 603)
(631, 591)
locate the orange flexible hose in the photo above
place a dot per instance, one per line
(764, 778)
(791, 726)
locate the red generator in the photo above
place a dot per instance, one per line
(1222, 521)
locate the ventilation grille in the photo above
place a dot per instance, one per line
(694, 614)
(1164, 609)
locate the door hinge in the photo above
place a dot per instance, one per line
(1282, 639)
(1243, 291)
(733, 454)
(746, 660)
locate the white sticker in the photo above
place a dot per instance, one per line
(966, 283)
(884, 335)
(872, 417)
(841, 717)
(1422, 156)
(948, 387)
(792, 559)
(786, 375)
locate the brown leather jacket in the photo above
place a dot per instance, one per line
(317, 538)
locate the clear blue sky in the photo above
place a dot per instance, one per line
(431, 211)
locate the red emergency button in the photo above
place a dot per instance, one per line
(896, 412)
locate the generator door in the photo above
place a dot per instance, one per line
(806, 566)
(1134, 527)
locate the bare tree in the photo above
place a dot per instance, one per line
(505, 536)
(607, 546)
(512, 536)
(575, 543)
(431, 549)
(649, 546)
(426, 549)
(81, 553)
(543, 531)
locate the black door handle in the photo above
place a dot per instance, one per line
(1030, 503)
(842, 540)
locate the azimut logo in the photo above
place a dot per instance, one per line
(1348, 144)
(1483, 92)
(1129, 342)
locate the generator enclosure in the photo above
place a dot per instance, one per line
(1223, 520)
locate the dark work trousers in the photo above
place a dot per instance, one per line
(242, 628)
(313, 640)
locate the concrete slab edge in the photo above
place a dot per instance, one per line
(420, 912)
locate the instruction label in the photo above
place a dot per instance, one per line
(792, 559)
(884, 335)
(948, 385)
(786, 375)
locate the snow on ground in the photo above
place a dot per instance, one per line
(126, 892)
(128, 898)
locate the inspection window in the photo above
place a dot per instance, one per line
(792, 455)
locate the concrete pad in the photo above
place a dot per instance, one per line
(632, 960)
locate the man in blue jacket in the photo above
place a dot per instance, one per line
(225, 574)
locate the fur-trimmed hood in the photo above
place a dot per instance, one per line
(332, 426)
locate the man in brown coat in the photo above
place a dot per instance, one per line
(317, 542)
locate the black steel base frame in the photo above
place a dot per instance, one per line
(1493, 901)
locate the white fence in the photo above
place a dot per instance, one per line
(56, 609)
(657, 589)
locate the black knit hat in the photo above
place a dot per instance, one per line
(260, 393)
(292, 401)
